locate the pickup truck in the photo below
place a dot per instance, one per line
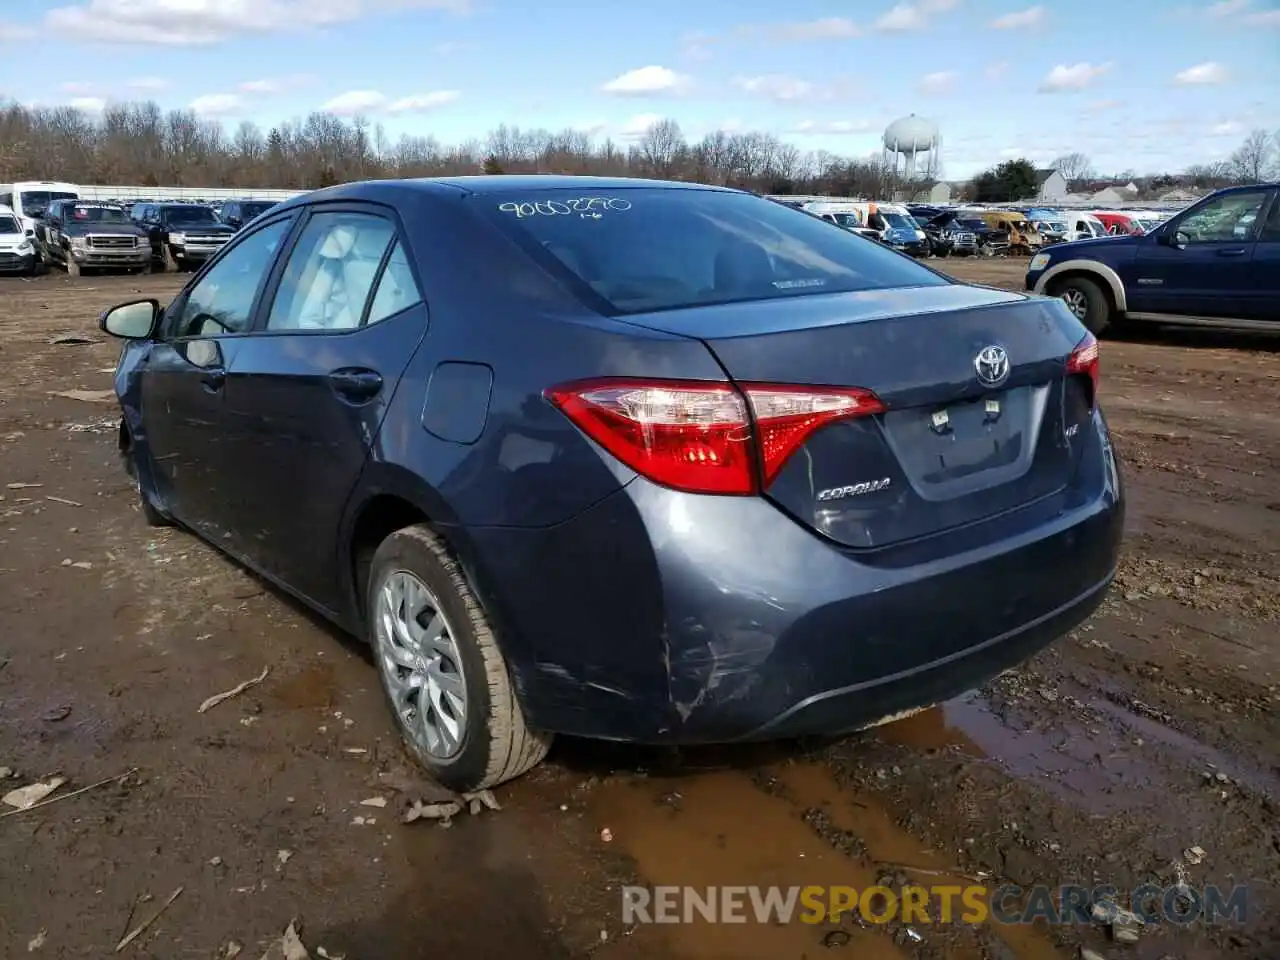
(1216, 264)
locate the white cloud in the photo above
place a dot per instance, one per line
(1102, 106)
(194, 22)
(12, 32)
(1076, 76)
(359, 102)
(148, 83)
(88, 104)
(423, 102)
(1228, 8)
(779, 87)
(936, 84)
(638, 126)
(902, 18)
(646, 81)
(355, 102)
(829, 28)
(696, 46)
(592, 129)
(1202, 74)
(1020, 20)
(810, 128)
(269, 85)
(216, 104)
(996, 70)
(1264, 18)
(938, 6)
(1228, 128)
(79, 88)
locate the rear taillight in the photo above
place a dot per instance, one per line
(1084, 362)
(706, 437)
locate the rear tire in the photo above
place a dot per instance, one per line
(1086, 300)
(494, 744)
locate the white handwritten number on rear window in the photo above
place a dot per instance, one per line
(589, 208)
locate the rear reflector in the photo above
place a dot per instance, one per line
(706, 437)
(1084, 362)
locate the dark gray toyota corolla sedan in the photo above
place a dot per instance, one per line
(624, 459)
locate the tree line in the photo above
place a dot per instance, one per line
(139, 143)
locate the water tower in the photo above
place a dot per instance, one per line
(912, 147)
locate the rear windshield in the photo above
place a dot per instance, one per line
(189, 215)
(655, 248)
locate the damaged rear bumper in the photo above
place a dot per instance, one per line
(660, 617)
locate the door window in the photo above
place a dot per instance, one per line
(1227, 219)
(397, 290)
(222, 301)
(331, 272)
(1271, 229)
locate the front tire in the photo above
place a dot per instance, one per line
(1085, 299)
(443, 674)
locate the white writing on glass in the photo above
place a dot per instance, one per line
(591, 208)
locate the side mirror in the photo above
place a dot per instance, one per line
(132, 321)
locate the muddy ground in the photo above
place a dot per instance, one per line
(1153, 729)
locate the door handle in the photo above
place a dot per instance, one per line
(1232, 252)
(356, 384)
(212, 380)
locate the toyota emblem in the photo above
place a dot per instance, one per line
(992, 365)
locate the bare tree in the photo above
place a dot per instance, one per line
(1251, 161)
(1074, 166)
(661, 148)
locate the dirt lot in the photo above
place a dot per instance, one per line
(1153, 729)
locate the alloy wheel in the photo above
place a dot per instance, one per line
(420, 664)
(1076, 302)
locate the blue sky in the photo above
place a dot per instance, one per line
(1143, 84)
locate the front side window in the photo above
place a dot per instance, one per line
(331, 272)
(641, 249)
(222, 301)
(1223, 219)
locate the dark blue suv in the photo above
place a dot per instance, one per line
(1217, 263)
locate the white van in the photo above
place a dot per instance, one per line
(30, 198)
(1083, 226)
(17, 255)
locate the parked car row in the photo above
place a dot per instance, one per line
(136, 236)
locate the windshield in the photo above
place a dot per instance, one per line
(642, 249)
(188, 216)
(900, 221)
(35, 202)
(79, 214)
(972, 223)
(9, 225)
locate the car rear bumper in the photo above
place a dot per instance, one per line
(662, 617)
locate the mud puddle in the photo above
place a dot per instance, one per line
(789, 824)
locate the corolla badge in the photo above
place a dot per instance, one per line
(854, 489)
(992, 365)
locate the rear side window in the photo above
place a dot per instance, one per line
(331, 272)
(641, 249)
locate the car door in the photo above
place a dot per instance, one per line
(1200, 263)
(307, 392)
(184, 375)
(1265, 302)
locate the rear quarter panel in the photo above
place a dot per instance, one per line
(490, 306)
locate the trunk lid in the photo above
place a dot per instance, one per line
(951, 448)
